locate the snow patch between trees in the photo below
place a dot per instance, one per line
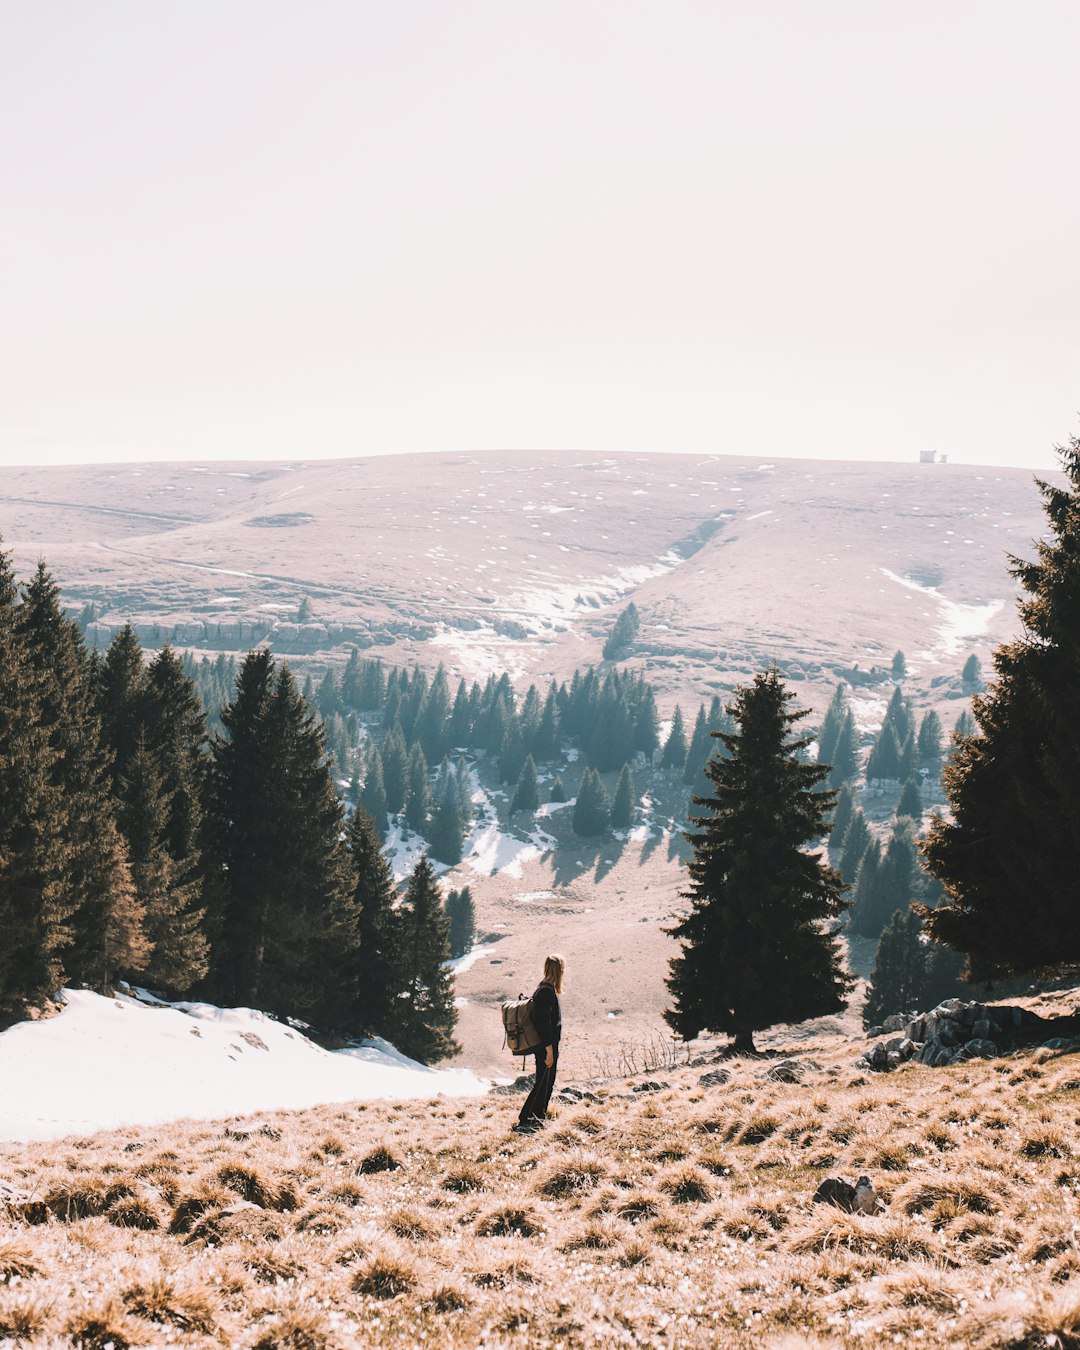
(107, 1062)
(959, 623)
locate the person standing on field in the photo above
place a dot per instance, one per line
(547, 1018)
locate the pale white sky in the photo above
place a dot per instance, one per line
(253, 229)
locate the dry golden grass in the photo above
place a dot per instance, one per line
(681, 1217)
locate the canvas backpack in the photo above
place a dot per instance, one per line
(519, 1029)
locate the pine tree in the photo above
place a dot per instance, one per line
(121, 699)
(972, 675)
(446, 832)
(646, 724)
(622, 806)
(167, 891)
(674, 756)
(34, 908)
(910, 803)
(428, 1014)
(910, 974)
(698, 752)
(526, 795)
(757, 949)
(375, 979)
(548, 733)
(830, 727)
(395, 769)
(884, 760)
(461, 914)
(930, 743)
(899, 667)
(373, 793)
(866, 894)
(623, 633)
(558, 789)
(418, 796)
(284, 884)
(841, 819)
(1010, 857)
(592, 809)
(845, 758)
(856, 840)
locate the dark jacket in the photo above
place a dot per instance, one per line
(547, 1015)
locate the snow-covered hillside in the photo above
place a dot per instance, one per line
(104, 1062)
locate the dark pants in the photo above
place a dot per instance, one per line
(536, 1103)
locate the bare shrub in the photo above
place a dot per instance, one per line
(410, 1225)
(17, 1262)
(380, 1159)
(134, 1211)
(687, 1186)
(509, 1221)
(158, 1300)
(574, 1176)
(81, 1197)
(384, 1276)
(463, 1180)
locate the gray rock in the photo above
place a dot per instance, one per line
(935, 1053)
(897, 1022)
(650, 1085)
(714, 1078)
(1059, 1043)
(975, 1049)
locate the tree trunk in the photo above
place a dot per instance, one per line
(744, 1042)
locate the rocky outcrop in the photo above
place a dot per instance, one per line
(955, 1032)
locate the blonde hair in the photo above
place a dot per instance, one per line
(554, 965)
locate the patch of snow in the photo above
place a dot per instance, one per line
(869, 712)
(549, 808)
(960, 623)
(107, 1062)
(403, 854)
(526, 897)
(758, 514)
(466, 962)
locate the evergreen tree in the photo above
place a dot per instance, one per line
(856, 840)
(830, 727)
(428, 1015)
(757, 949)
(558, 789)
(166, 891)
(283, 881)
(373, 794)
(592, 809)
(624, 801)
(910, 803)
(433, 718)
(845, 758)
(911, 974)
(972, 675)
(884, 760)
(34, 908)
(899, 667)
(698, 752)
(866, 895)
(463, 785)
(674, 756)
(376, 979)
(841, 819)
(646, 724)
(446, 832)
(623, 632)
(121, 699)
(548, 733)
(418, 797)
(461, 914)
(328, 698)
(1010, 856)
(526, 795)
(459, 728)
(930, 744)
(395, 769)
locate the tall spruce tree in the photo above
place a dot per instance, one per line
(592, 808)
(622, 804)
(34, 906)
(104, 917)
(121, 690)
(373, 793)
(834, 720)
(623, 632)
(428, 1015)
(845, 755)
(526, 795)
(674, 753)
(910, 974)
(856, 840)
(284, 884)
(461, 913)
(841, 819)
(1010, 856)
(757, 945)
(375, 979)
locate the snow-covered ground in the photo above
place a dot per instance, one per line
(106, 1062)
(960, 624)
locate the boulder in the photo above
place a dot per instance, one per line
(650, 1085)
(975, 1049)
(858, 1197)
(714, 1078)
(935, 1053)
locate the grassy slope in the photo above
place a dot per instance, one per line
(682, 1216)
